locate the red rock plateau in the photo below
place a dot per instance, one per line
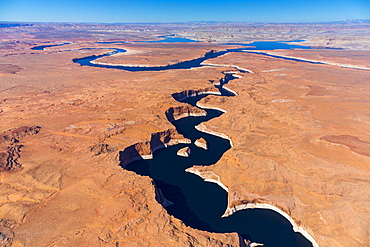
(300, 133)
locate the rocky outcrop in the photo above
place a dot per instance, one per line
(10, 147)
(201, 143)
(137, 151)
(184, 152)
(145, 150)
(176, 113)
(9, 159)
(166, 138)
(13, 136)
(248, 243)
(6, 234)
(101, 148)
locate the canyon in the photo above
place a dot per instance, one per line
(299, 131)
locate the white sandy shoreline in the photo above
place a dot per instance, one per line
(201, 127)
(216, 181)
(229, 211)
(348, 66)
(228, 65)
(296, 228)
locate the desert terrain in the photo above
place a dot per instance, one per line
(299, 131)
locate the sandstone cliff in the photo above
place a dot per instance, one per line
(176, 113)
(145, 150)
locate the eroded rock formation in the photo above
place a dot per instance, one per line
(13, 136)
(6, 234)
(184, 152)
(176, 113)
(101, 148)
(201, 143)
(191, 93)
(145, 150)
(9, 158)
(10, 149)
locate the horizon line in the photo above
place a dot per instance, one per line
(183, 22)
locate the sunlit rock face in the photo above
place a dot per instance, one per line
(176, 113)
(201, 143)
(184, 152)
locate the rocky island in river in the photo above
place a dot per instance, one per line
(295, 122)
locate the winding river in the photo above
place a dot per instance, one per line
(197, 203)
(201, 204)
(194, 63)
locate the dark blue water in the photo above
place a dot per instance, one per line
(42, 47)
(260, 45)
(86, 61)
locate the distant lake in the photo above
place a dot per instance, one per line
(7, 24)
(271, 45)
(171, 39)
(42, 47)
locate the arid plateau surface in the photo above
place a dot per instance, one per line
(80, 102)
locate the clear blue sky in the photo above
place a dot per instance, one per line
(110, 11)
